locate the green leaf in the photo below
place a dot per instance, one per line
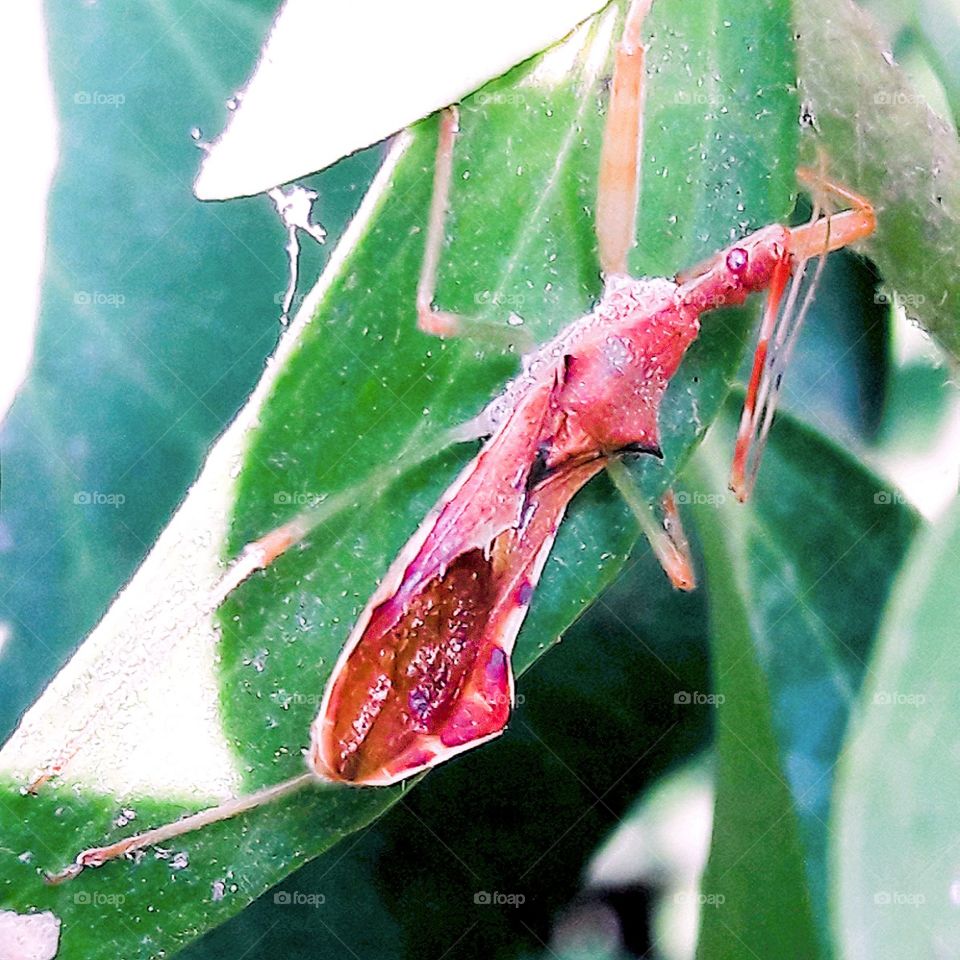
(341, 413)
(896, 882)
(598, 721)
(155, 319)
(881, 138)
(150, 336)
(790, 647)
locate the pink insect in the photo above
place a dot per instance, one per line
(425, 673)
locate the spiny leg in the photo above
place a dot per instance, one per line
(618, 184)
(779, 329)
(430, 319)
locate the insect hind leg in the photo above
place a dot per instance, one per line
(618, 184)
(431, 319)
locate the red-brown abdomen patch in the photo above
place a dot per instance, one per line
(403, 683)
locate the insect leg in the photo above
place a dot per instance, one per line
(257, 555)
(261, 553)
(619, 180)
(829, 233)
(676, 560)
(430, 319)
(98, 856)
(618, 189)
(665, 534)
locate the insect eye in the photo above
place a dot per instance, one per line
(737, 260)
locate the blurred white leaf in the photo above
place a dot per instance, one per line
(30, 123)
(336, 77)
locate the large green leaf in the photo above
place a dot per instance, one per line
(142, 290)
(894, 847)
(599, 720)
(790, 652)
(357, 388)
(879, 136)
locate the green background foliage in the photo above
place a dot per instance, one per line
(795, 584)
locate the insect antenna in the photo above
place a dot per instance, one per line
(778, 359)
(778, 336)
